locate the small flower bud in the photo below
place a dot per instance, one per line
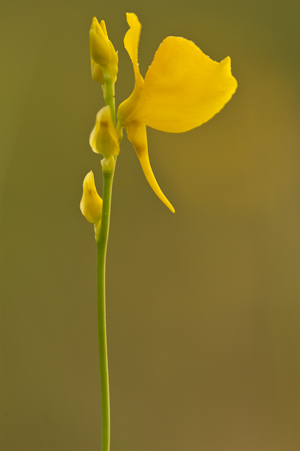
(91, 202)
(104, 137)
(99, 44)
(104, 58)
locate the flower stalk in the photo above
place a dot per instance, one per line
(108, 169)
(109, 97)
(183, 89)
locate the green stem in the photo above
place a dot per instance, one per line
(109, 96)
(108, 167)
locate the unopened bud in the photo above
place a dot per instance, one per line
(104, 138)
(104, 58)
(91, 202)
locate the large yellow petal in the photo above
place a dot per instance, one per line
(137, 135)
(183, 87)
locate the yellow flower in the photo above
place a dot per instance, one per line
(104, 58)
(183, 89)
(91, 202)
(104, 138)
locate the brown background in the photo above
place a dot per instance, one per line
(204, 305)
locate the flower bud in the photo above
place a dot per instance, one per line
(99, 44)
(104, 58)
(104, 137)
(91, 202)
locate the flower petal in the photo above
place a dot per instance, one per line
(137, 135)
(183, 87)
(131, 43)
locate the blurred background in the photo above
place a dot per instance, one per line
(204, 305)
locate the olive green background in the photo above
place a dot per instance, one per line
(204, 305)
